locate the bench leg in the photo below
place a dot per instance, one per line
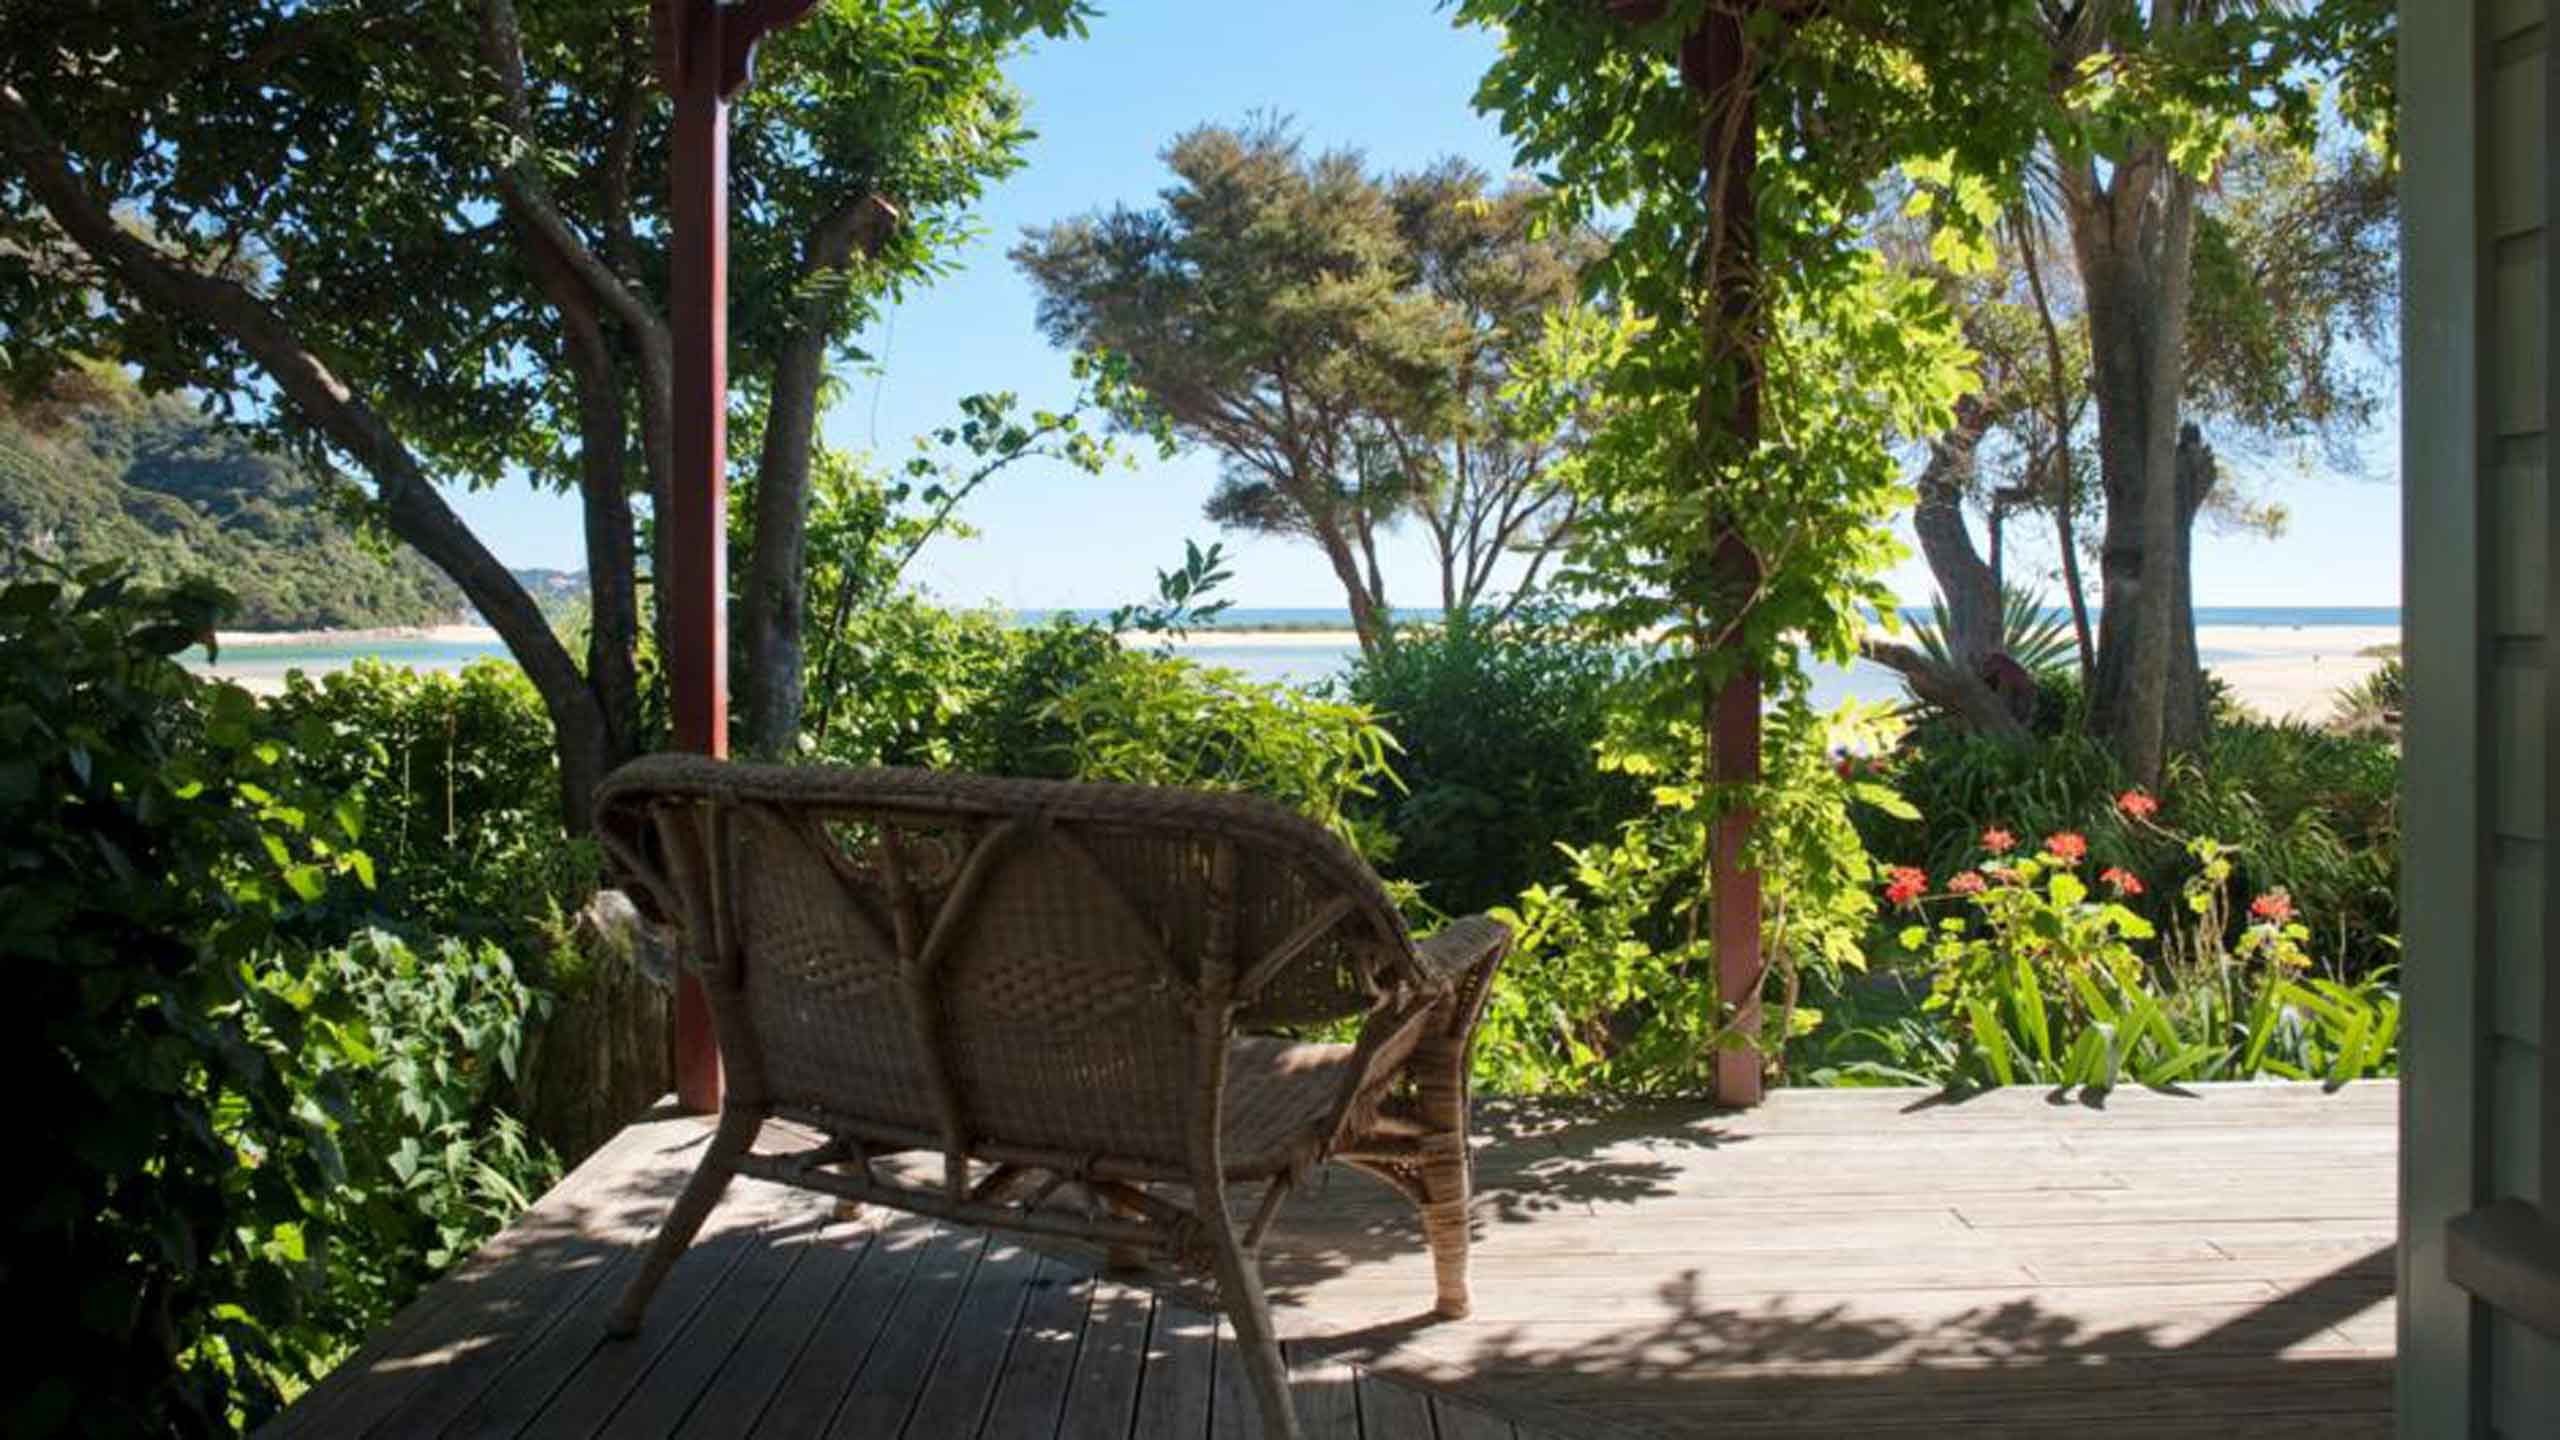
(1440, 1075)
(710, 1178)
(1439, 1070)
(1240, 1285)
(1446, 1191)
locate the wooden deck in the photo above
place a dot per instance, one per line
(1834, 1263)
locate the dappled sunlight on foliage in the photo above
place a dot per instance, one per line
(264, 1135)
(1611, 984)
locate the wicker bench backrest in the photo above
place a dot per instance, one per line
(967, 959)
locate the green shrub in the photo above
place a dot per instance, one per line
(461, 789)
(1021, 729)
(207, 1212)
(912, 680)
(952, 689)
(1156, 720)
(147, 855)
(422, 1044)
(2371, 708)
(1501, 728)
(962, 690)
(1611, 984)
(2310, 813)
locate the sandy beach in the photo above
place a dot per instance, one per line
(2292, 672)
(358, 639)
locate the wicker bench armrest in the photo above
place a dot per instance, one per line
(1461, 946)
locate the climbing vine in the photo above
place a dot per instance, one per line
(1755, 361)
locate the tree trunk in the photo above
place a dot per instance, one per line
(613, 605)
(769, 684)
(2066, 539)
(772, 685)
(2132, 237)
(1376, 579)
(1968, 588)
(2066, 483)
(604, 501)
(1366, 621)
(1959, 692)
(2189, 715)
(603, 1054)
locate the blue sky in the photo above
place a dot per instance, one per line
(1394, 80)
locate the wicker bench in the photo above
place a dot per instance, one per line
(1078, 995)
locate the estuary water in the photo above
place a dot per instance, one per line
(1289, 646)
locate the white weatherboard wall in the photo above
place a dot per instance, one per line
(2480, 1183)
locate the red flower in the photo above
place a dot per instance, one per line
(1998, 841)
(2137, 806)
(2123, 881)
(2275, 906)
(1904, 884)
(2070, 847)
(1969, 882)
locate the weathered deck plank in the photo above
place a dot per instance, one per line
(753, 1372)
(1328, 1408)
(470, 1324)
(806, 1400)
(1102, 1399)
(894, 1374)
(1389, 1409)
(983, 1335)
(1033, 1389)
(1837, 1262)
(1173, 1396)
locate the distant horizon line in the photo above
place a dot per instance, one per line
(1342, 613)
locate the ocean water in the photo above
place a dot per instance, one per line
(1264, 657)
(263, 667)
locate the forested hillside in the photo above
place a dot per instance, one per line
(99, 472)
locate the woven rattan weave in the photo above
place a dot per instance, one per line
(1080, 996)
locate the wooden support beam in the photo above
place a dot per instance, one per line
(705, 54)
(1715, 63)
(696, 587)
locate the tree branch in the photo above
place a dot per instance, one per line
(410, 502)
(288, 39)
(1950, 688)
(521, 189)
(770, 681)
(613, 629)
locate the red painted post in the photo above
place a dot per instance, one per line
(1715, 65)
(1734, 895)
(705, 52)
(696, 587)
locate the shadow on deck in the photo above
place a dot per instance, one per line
(1841, 1262)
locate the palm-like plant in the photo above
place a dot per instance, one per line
(1936, 683)
(2030, 632)
(2372, 706)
